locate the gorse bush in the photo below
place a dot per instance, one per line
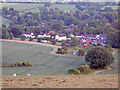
(84, 69)
(73, 71)
(99, 57)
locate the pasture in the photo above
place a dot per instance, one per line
(26, 7)
(43, 62)
(22, 6)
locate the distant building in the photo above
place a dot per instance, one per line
(60, 37)
(28, 34)
(43, 35)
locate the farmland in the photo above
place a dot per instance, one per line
(21, 6)
(43, 62)
(35, 7)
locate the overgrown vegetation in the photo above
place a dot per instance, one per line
(98, 57)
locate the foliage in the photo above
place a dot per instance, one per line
(84, 69)
(11, 35)
(30, 39)
(19, 64)
(73, 71)
(99, 57)
(22, 37)
(74, 42)
(114, 40)
(81, 52)
(39, 39)
(53, 41)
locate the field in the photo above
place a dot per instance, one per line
(35, 7)
(21, 6)
(43, 62)
(113, 7)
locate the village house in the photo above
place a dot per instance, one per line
(60, 37)
(28, 34)
(43, 35)
(101, 36)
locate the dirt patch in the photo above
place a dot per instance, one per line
(62, 81)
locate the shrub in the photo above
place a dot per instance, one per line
(11, 35)
(59, 49)
(81, 52)
(12, 64)
(73, 71)
(30, 39)
(63, 43)
(99, 57)
(39, 39)
(64, 48)
(53, 41)
(74, 42)
(84, 69)
(19, 64)
(22, 37)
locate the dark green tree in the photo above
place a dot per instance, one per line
(98, 57)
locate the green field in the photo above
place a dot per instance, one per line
(64, 7)
(43, 62)
(113, 7)
(22, 6)
(35, 7)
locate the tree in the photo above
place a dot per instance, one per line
(53, 41)
(74, 42)
(11, 9)
(22, 37)
(98, 57)
(47, 4)
(30, 39)
(114, 39)
(11, 35)
(81, 52)
(7, 35)
(39, 39)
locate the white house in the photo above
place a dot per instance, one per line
(43, 35)
(29, 34)
(60, 37)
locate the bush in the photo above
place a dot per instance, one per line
(81, 52)
(11, 35)
(84, 69)
(39, 39)
(64, 48)
(53, 41)
(73, 71)
(22, 37)
(74, 42)
(63, 43)
(19, 64)
(30, 39)
(99, 57)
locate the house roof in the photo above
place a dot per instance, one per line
(91, 35)
(53, 32)
(108, 23)
(61, 35)
(102, 35)
(27, 33)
